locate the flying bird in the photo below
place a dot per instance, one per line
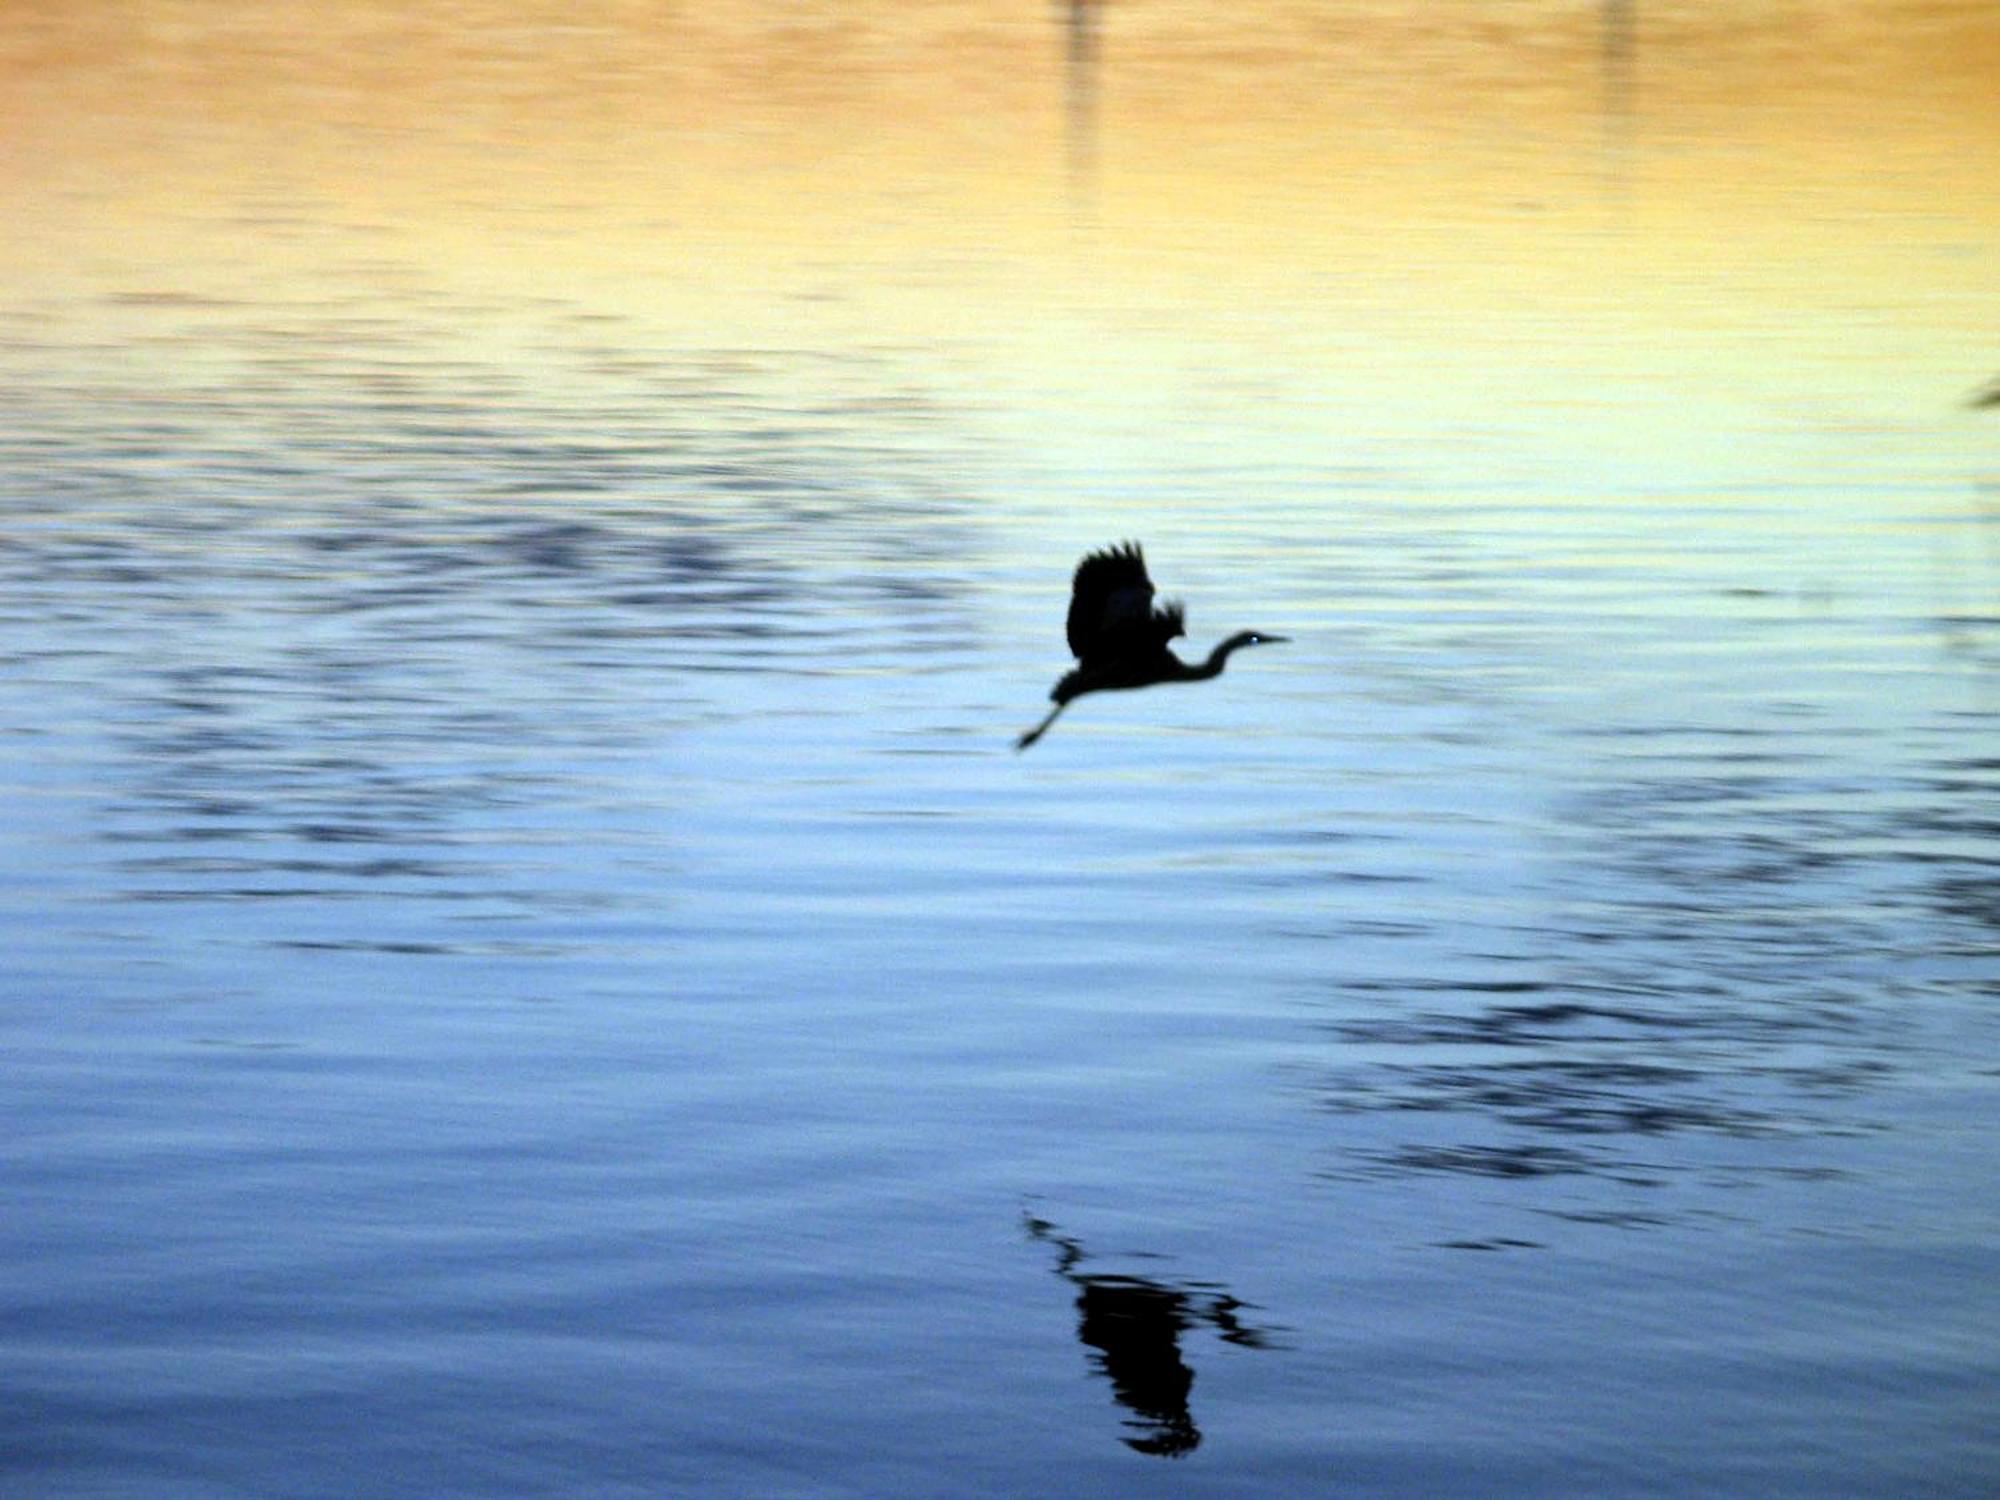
(1119, 636)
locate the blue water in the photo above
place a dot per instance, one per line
(533, 967)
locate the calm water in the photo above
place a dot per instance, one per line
(534, 969)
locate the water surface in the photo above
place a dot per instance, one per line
(535, 969)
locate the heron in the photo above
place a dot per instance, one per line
(1119, 636)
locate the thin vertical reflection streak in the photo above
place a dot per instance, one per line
(1619, 69)
(1080, 100)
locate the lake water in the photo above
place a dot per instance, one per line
(534, 968)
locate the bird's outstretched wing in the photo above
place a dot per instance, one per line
(1111, 612)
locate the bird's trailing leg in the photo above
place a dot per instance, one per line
(1040, 729)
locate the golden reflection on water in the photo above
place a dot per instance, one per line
(1373, 202)
(745, 116)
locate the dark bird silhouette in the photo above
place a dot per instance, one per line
(1120, 636)
(1986, 395)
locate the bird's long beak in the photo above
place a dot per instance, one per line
(1272, 640)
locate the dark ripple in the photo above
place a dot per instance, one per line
(1491, 1161)
(1732, 959)
(363, 594)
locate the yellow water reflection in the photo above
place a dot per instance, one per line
(756, 118)
(1634, 191)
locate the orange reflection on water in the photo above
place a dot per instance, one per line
(611, 105)
(1376, 196)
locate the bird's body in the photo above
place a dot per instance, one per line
(1119, 636)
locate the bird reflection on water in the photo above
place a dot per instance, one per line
(1134, 1324)
(1120, 636)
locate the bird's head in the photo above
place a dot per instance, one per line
(1254, 638)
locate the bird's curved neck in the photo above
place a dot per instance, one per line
(1217, 660)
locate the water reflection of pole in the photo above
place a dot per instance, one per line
(1619, 64)
(1080, 98)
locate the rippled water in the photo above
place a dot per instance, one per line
(534, 968)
